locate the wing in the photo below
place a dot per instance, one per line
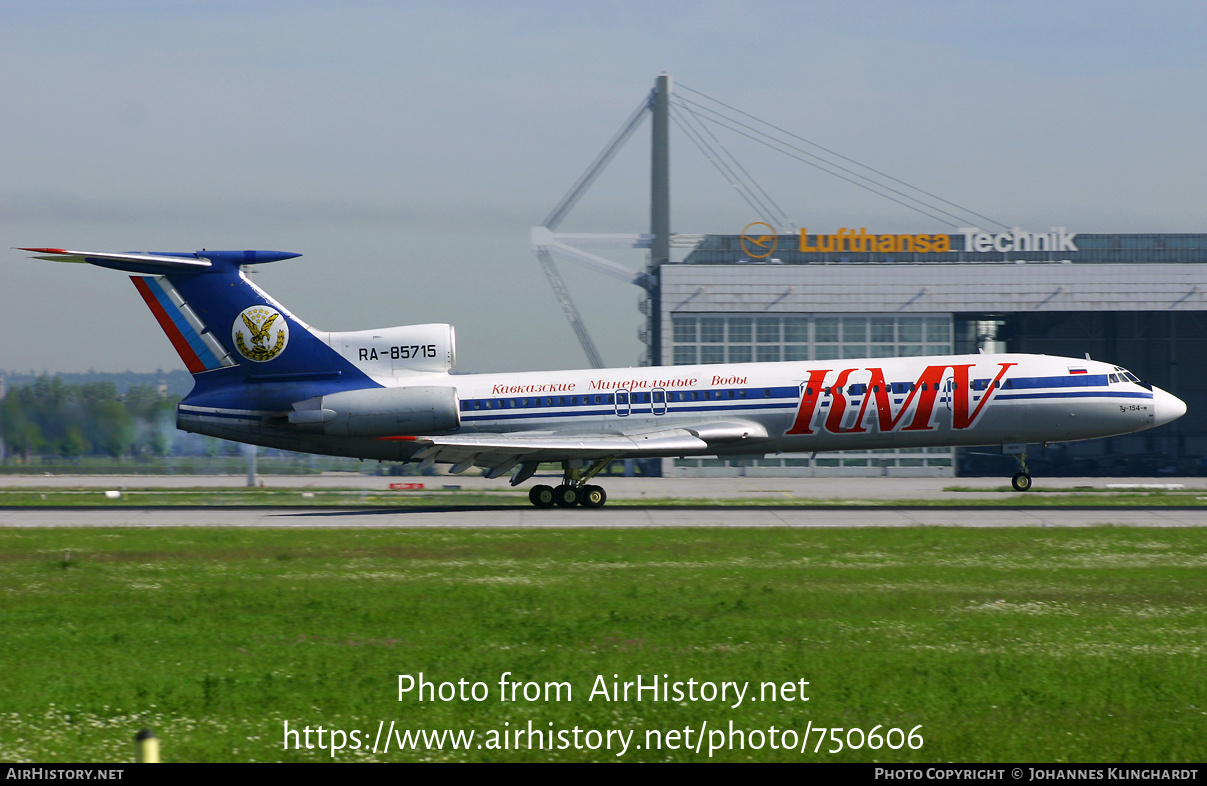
(498, 453)
(267, 324)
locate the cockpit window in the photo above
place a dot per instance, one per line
(1114, 377)
(1127, 376)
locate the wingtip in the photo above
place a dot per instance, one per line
(45, 250)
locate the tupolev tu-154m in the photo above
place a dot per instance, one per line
(265, 377)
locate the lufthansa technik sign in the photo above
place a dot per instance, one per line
(1058, 239)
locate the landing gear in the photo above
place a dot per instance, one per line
(542, 496)
(594, 496)
(574, 489)
(566, 496)
(1022, 479)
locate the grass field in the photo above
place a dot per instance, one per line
(1079, 645)
(344, 497)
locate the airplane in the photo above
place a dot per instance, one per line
(263, 376)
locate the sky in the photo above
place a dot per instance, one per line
(406, 149)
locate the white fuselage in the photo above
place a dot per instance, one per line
(730, 409)
(825, 405)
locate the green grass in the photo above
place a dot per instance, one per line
(1079, 645)
(434, 495)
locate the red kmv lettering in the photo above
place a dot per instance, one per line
(838, 404)
(810, 394)
(925, 390)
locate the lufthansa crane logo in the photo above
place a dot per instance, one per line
(758, 243)
(260, 333)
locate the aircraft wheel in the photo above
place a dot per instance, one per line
(1021, 482)
(566, 496)
(594, 497)
(541, 496)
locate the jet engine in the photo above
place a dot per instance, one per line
(380, 412)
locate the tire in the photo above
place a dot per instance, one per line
(594, 497)
(566, 496)
(541, 496)
(1021, 482)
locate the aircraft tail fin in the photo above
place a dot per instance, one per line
(224, 327)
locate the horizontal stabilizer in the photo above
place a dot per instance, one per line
(131, 263)
(159, 263)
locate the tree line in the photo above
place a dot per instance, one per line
(51, 418)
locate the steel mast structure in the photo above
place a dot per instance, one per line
(546, 241)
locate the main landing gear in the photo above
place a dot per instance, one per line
(574, 489)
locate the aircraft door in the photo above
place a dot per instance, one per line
(623, 404)
(947, 392)
(658, 401)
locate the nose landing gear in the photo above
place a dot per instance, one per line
(1022, 479)
(574, 489)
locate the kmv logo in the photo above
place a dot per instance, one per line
(260, 333)
(919, 398)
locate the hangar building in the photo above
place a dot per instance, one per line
(1137, 300)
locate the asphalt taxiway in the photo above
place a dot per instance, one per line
(762, 502)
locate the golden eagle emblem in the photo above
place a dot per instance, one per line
(260, 333)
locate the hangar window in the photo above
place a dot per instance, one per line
(740, 354)
(742, 339)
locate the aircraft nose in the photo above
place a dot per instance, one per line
(1166, 407)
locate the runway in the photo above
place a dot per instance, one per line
(500, 517)
(745, 502)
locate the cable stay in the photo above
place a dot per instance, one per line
(774, 145)
(682, 119)
(723, 168)
(779, 141)
(750, 177)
